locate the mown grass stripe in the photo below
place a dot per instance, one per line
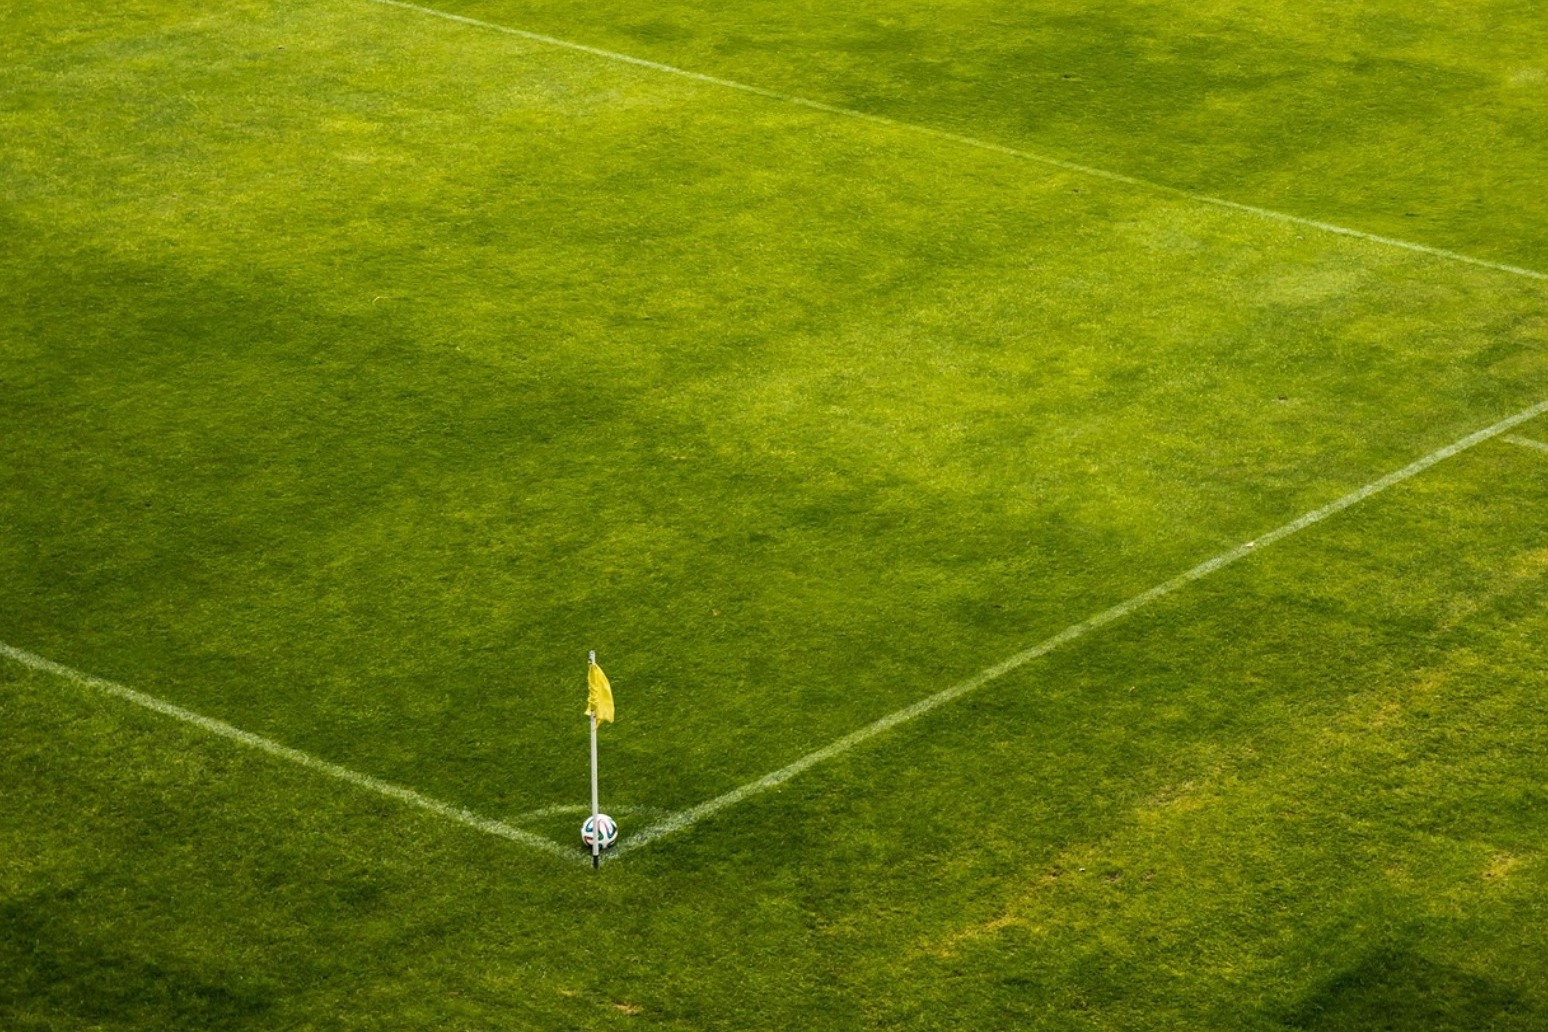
(296, 756)
(774, 779)
(975, 142)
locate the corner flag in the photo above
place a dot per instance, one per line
(599, 707)
(599, 695)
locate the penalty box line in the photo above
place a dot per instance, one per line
(687, 818)
(1527, 442)
(974, 142)
(314, 763)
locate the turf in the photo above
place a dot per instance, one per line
(363, 368)
(1408, 119)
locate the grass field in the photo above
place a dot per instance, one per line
(361, 367)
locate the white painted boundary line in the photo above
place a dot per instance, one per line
(687, 818)
(693, 815)
(970, 141)
(1527, 442)
(296, 756)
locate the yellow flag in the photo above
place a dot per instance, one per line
(599, 696)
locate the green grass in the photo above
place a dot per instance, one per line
(361, 369)
(1408, 119)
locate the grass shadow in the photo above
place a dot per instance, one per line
(56, 971)
(1398, 991)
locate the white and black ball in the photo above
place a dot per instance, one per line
(600, 830)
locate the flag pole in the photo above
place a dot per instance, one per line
(596, 838)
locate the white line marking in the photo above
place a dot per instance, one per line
(296, 756)
(1527, 442)
(693, 815)
(698, 813)
(970, 141)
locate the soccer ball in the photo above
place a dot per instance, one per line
(600, 830)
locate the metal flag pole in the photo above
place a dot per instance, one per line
(596, 836)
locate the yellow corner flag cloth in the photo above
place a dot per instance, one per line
(599, 695)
